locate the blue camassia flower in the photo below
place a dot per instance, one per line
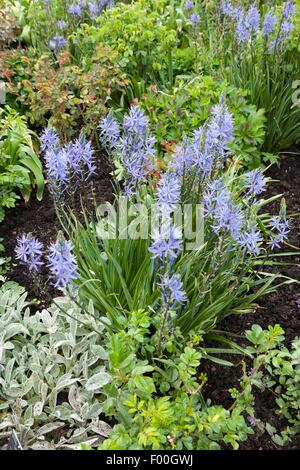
(242, 30)
(195, 19)
(172, 290)
(253, 18)
(255, 182)
(62, 263)
(110, 130)
(251, 241)
(167, 243)
(49, 139)
(268, 24)
(29, 252)
(189, 5)
(57, 42)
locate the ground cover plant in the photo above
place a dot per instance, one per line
(149, 254)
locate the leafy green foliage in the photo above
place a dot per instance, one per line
(52, 372)
(20, 167)
(57, 92)
(146, 37)
(187, 106)
(176, 418)
(281, 374)
(4, 262)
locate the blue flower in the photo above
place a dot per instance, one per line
(238, 13)
(94, 10)
(172, 289)
(135, 121)
(189, 5)
(227, 9)
(167, 243)
(268, 24)
(183, 158)
(80, 157)
(219, 207)
(75, 9)
(242, 30)
(134, 146)
(286, 28)
(49, 139)
(289, 9)
(169, 188)
(57, 166)
(220, 128)
(57, 42)
(195, 19)
(62, 263)
(110, 130)
(282, 227)
(251, 240)
(253, 18)
(61, 24)
(255, 182)
(29, 251)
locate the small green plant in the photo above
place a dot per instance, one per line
(159, 403)
(166, 408)
(277, 368)
(54, 91)
(4, 262)
(20, 167)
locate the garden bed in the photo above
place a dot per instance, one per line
(279, 307)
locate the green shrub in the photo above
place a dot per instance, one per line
(20, 167)
(146, 36)
(280, 374)
(54, 91)
(166, 408)
(174, 114)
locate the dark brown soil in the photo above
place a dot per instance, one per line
(40, 219)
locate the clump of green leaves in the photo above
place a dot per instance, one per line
(52, 372)
(277, 368)
(4, 262)
(20, 167)
(54, 91)
(188, 105)
(158, 402)
(146, 37)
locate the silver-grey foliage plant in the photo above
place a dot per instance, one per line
(52, 371)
